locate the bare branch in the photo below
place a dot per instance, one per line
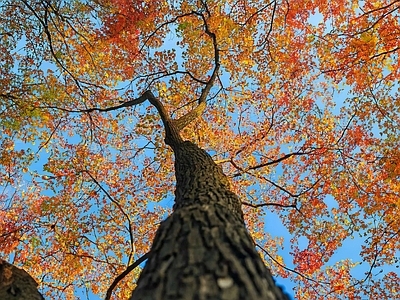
(120, 208)
(269, 163)
(124, 274)
(269, 204)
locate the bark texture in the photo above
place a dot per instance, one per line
(203, 250)
(16, 284)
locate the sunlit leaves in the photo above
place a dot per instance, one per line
(303, 116)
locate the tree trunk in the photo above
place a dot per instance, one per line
(203, 250)
(16, 284)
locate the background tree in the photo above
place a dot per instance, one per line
(303, 117)
(16, 284)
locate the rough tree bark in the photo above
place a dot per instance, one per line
(16, 284)
(203, 250)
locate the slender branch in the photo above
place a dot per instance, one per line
(275, 161)
(289, 269)
(385, 52)
(44, 144)
(379, 19)
(379, 8)
(172, 136)
(257, 139)
(161, 74)
(269, 204)
(119, 207)
(124, 274)
(44, 23)
(272, 162)
(346, 127)
(259, 11)
(192, 115)
(129, 103)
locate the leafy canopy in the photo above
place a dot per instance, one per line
(303, 117)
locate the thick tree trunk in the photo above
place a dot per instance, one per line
(16, 284)
(203, 250)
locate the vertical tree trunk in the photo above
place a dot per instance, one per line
(203, 250)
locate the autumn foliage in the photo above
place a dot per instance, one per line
(304, 118)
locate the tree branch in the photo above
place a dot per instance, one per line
(124, 274)
(120, 208)
(289, 269)
(269, 204)
(185, 120)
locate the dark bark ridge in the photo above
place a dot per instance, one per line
(203, 250)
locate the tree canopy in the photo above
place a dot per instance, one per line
(302, 113)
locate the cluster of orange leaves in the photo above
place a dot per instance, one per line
(304, 118)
